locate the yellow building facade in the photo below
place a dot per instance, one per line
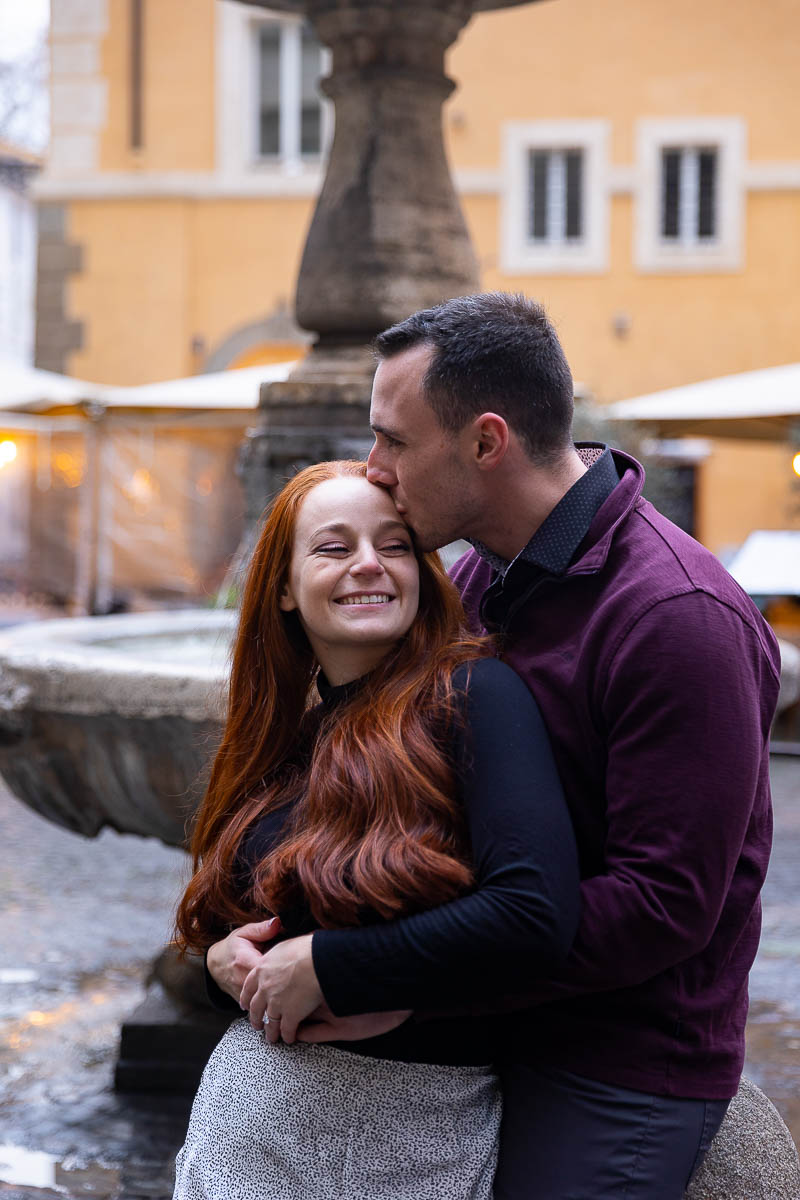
(635, 166)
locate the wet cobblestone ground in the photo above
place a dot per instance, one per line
(81, 922)
(773, 1035)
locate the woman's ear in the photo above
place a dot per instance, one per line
(287, 601)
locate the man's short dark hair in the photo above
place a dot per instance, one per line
(493, 352)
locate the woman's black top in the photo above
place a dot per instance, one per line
(515, 925)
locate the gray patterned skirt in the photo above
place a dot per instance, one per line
(318, 1123)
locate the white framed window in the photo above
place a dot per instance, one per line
(271, 114)
(554, 210)
(689, 196)
(290, 61)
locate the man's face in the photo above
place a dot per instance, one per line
(426, 468)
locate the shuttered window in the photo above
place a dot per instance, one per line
(689, 194)
(555, 196)
(290, 106)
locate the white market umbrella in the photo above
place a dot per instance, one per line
(756, 404)
(234, 389)
(768, 563)
(27, 389)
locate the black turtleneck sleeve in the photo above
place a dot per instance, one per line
(518, 922)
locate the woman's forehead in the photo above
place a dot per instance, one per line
(346, 500)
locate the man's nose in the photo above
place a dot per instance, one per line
(377, 470)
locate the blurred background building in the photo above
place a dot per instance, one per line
(17, 253)
(634, 166)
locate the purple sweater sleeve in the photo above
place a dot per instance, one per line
(688, 700)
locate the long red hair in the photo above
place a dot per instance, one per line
(376, 828)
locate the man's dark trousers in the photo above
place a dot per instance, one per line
(568, 1138)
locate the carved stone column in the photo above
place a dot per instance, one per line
(388, 236)
(301, 422)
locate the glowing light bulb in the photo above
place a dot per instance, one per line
(795, 463)
(8, 452)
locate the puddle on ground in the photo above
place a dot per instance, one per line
(10, 975)
(773, 1059)
(66, 1135)
(43, 1173)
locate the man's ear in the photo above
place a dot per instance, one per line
(287, 600)
(490, 437)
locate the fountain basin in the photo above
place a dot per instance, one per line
(112, 721)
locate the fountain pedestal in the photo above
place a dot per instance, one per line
(168, 1038)
(302, 422)
(387, 237)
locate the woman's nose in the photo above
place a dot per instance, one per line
(366, 561)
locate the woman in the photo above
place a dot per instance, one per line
(420, 789)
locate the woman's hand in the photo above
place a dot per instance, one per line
(282, 987)
(324, 1026)
(231, 960)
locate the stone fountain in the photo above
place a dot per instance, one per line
(103, 721)
(89, 708)
(107, 721)
(388, 235)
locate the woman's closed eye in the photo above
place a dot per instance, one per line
(398, 546)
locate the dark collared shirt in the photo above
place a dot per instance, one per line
(554, 543)
(553, 546)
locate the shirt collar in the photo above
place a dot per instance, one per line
(553, 545)
(334, 694)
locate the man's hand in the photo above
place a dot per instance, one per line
(323, 1026)
(283, 987)
(231, 960)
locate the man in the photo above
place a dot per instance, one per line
(657, 679)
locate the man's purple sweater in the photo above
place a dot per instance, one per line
(657, 679)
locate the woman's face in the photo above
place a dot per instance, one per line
(353, 576)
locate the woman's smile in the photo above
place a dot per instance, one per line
(363, 600)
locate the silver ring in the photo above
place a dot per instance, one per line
(266, 1019)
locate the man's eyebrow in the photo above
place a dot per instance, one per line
(393, 523)
(386, 430)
